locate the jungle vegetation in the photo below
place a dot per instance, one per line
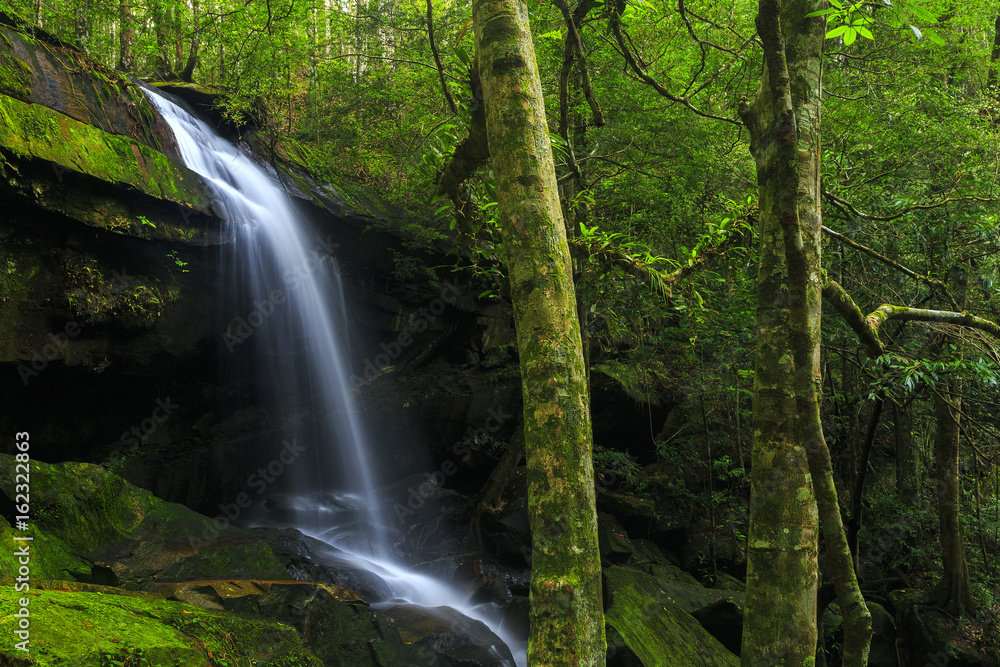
(783, 215)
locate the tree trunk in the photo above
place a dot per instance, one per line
(82, 24)
(906, 455)
(991, 79)
(437, 59)
(187, 74)
(566, 611)
(790, 457)
(953, 592)
(126, 37)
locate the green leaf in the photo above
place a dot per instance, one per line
(866, 33)
(922, 13)
(934, 37)
(850, 36)
(837, 32)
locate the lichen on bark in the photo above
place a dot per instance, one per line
(567, 622)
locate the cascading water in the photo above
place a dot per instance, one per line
(294, 334)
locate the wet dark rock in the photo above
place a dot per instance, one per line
(927, 635)
(443, 630)
(612, 539)
(883, 647)
(313, 560)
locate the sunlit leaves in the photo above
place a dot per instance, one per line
(851, 20)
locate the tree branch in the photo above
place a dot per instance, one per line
(573, 38)
(843, 204)
(934, 284)
(641, 73)
(437, 58)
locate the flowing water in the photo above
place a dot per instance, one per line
(295, 328)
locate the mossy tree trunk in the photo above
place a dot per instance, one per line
(906, 455)
(952, 592)
(566, 612)
(126, 36)
(791, 468)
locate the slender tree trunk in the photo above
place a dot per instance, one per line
(82, 24)
(906, 455)
(126, 36)
(566, 611)
(991, 79)
(437, 58)
(856, 522)
(953, 592)
(187, 74)
(790, 459)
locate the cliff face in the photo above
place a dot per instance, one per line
(96, 208)
(108, 244)
(112, 265)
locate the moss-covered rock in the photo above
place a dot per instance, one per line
(612, 539)
(33, 132)
(655, 628)
(95, 524)
(92, 629)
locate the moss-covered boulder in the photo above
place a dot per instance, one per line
(94, 525)
(928, 635)
(87, 629)
(655, 627)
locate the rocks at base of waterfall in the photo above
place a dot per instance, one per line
(310, 559)
(446, 631)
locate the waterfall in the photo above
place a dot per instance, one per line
(294, 329)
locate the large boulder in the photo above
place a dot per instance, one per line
(655, 627)
(927, 635)
(94, 629)
(96, 527)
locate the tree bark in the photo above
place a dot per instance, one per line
(952, 592)
(82, 24)
(790, 459)
(187, 74)
(437, 59)
(906, 459)
(126, 37)
(566, 611)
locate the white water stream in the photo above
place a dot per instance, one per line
(298, 306)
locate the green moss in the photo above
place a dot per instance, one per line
(15, 77)
(50, 558)
(130, 301)
(92, 629)
(658, 633)
(83, 504)
(34, 131)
